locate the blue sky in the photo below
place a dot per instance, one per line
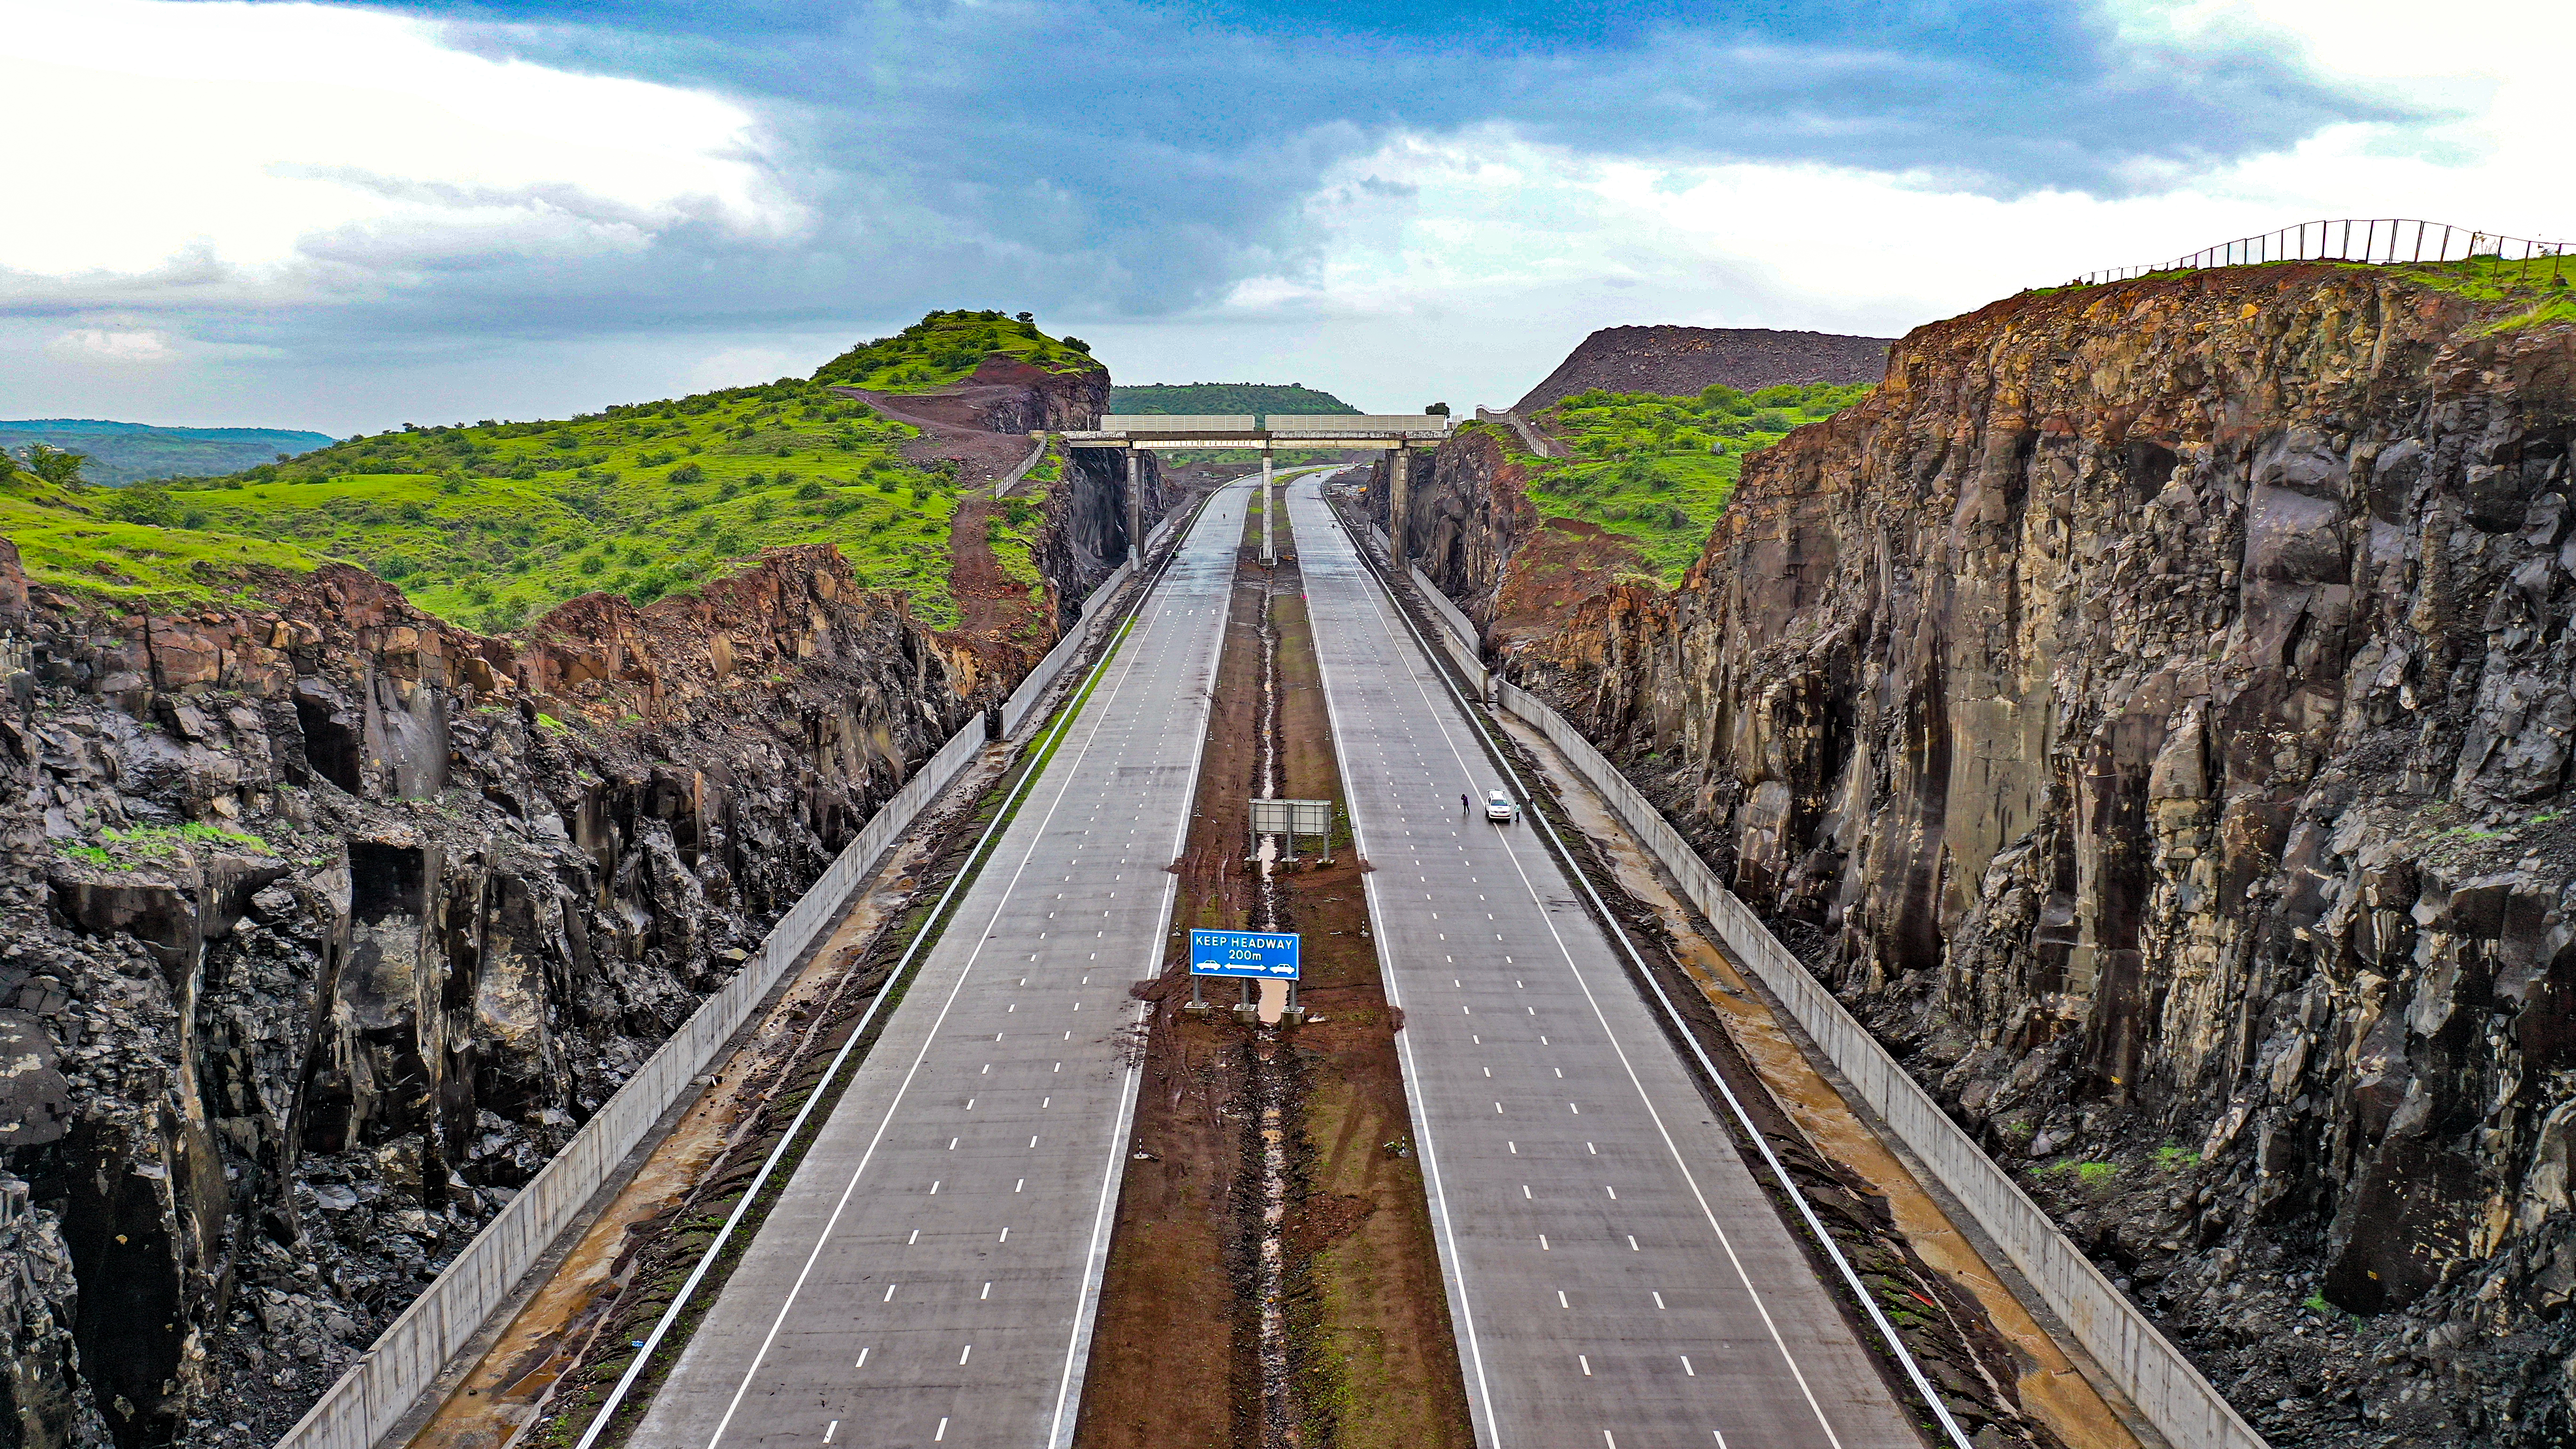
(347, 216)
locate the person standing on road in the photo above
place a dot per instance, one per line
(1463, 805)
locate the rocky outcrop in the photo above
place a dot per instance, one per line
(1679, 361)
(983, 422)
(324, 924)
(1472, 529)
(2151, 711)
(1086, 537)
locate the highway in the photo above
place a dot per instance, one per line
(930, 1274)
(1615, 1275)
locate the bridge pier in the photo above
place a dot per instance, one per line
(1135, 507)
(1269, 512)
(1399, 502)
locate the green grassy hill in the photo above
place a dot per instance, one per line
(1260, 398)
(494, 523)
(1643, 467)
(66, 540)
(136, 452)
(945, 346)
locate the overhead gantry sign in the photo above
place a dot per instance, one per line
(1398, 432)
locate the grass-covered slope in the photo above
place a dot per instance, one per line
(1649, 467)
(944, 347)
(1259, 398)
(67, 541)
(493, 523)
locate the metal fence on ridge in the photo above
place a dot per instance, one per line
(2384, 240)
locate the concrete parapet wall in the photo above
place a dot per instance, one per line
(1015, 710)
(2140, 1362)
(406, 1360)
(1461, 635)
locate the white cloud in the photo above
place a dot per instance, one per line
(92, 343)
(247, 135)
(1463, 265)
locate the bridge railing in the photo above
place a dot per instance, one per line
(2382, 240)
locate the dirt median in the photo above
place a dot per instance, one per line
(1322, 1219)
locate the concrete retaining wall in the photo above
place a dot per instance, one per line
(390, 1377)
(2172, 1395)
(1461, 642)
(1003, 485)
(1015, 710)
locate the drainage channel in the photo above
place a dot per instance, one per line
(1272, 1278)
(1280, 1419)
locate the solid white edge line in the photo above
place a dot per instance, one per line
(635, 1367)
(1086, 1317)
(1806, 1211)
(1453, 1267)
(1403, 644)
(1090, 736)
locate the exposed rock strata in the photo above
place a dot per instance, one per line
(2151, 712)
(983, 421)
(323, 927)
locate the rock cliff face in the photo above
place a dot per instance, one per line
(984, 421)
(2152, 713)
(323, 927)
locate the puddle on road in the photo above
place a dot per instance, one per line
(2052, 1388)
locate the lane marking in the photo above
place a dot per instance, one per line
(1087, 1301)
(1453, 1268)
(1369, 591)
(1126, 671)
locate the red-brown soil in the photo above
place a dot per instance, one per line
(983, 422)
(1176, 1354)
(1377, 1363)
(1008, 628)
(1560, 564)
(1678, 361)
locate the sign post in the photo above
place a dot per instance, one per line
(1293, 818)
(1246, 955)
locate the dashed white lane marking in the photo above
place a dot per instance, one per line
(1092, 736)
(1399, 649)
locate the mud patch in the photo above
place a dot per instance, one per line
(1557, 567)
(1359, 1344)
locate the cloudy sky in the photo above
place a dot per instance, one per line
(344, 216)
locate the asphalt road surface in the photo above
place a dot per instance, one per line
(1616, 1277)
(930, 1275)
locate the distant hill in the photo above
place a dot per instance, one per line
(493, 524)
(122, 453)
(1680, 361)
(1258, 398)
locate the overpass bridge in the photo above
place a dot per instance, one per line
(1399, 433)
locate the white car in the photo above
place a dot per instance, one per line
(1499, 806)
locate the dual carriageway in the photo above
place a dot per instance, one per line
(930, 1275)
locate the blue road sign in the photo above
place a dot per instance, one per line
(1271, 955)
